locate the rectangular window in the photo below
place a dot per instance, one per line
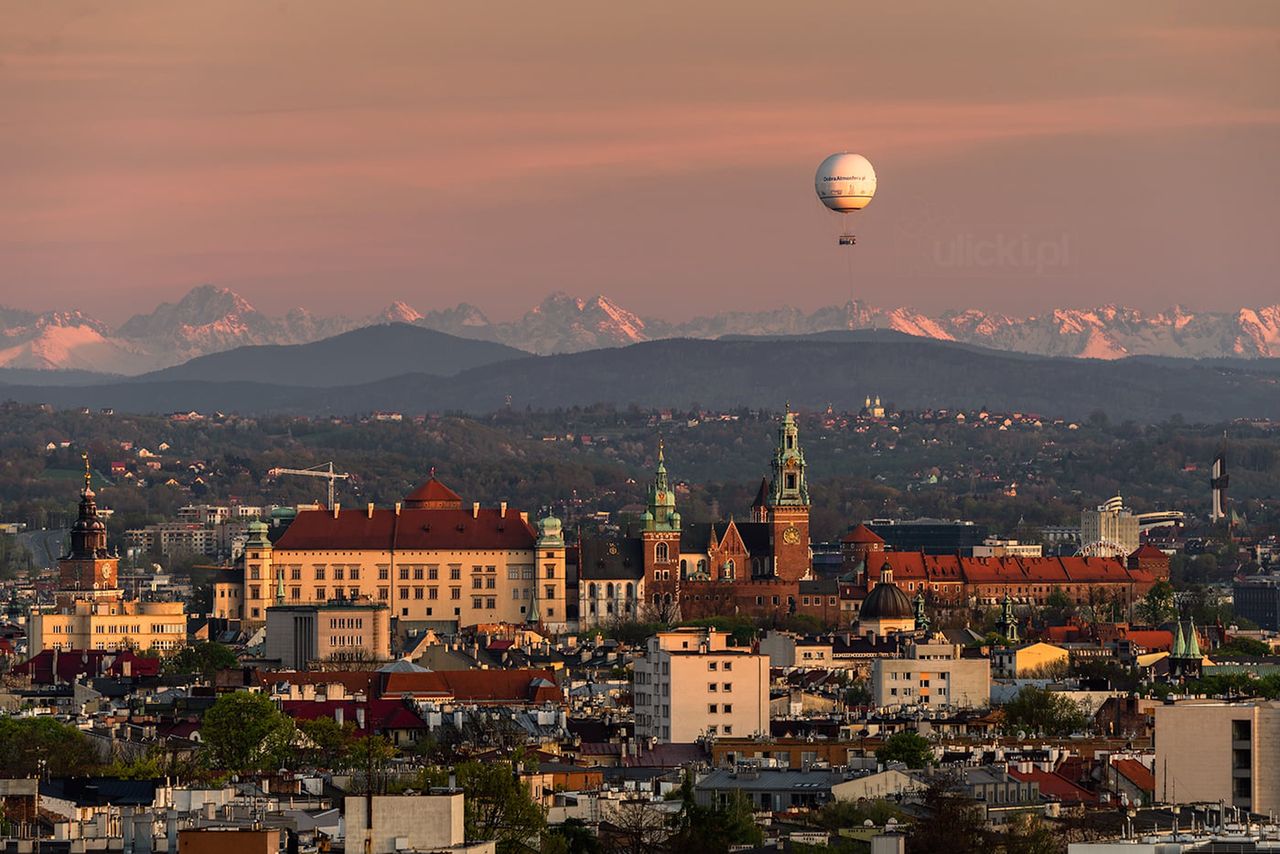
(475, 602)
(455, 593)
(295, 593)
(418, 573)
(490, 584)
(711, 687)
(384, 593)
(320, 591)
(728, 708)
(319, 573)
(551, 570)
(513, 572)
(455, 571)
(728, 665)
(549, 591)
(384, 573)
(353, 593)
(477, 583)
(417, 593)
(404, 592)
(355, 573)
(728, 686)
(254, 592)
(712, 708)
(339, 573)
(433, 592)
(295, 573)
(404, 573)
(711, 665)
(433, 572)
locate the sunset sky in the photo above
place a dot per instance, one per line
(340, 155)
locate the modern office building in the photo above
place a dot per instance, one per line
(1110, 528)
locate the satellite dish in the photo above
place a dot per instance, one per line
(845, 183)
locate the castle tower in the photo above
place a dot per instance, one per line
(88, 568)
(660, 538)
(788, 504)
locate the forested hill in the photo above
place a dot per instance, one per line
(913, 373)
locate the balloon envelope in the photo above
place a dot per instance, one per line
(845, 182)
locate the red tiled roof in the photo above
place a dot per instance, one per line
(1146, 551)
(380, 715)
(862, 534)
(1136, 773)
(916, 566)
(1055, 786)
(476, 686)
(1153, 640)
(432, 491)
(412, 529)
(85, 662)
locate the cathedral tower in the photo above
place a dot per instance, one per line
(788, 504)
(660, 538)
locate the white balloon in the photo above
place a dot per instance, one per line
(845, 182)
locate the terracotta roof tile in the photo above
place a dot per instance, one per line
(411, 530)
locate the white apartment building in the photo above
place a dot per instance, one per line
(690, 683)
(932, 675)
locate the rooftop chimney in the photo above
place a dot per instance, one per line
(397, 508)
(475, 510)
(502, 509)
(370, 509)
(336, 505)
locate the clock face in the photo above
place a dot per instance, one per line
(791, 536)
(662, 496)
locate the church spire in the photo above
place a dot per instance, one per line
(660, 514)
(789, 488)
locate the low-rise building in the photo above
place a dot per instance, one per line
(932, 674)
(1032, 659)
(303, 636)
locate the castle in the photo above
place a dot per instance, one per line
(664, 569)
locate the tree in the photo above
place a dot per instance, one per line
(1156, 608)
(1039, 710)
(28, 745)
(205, 659)
(578, 838)
(498, 806)
(244, 732)
(1240, 647)
(713, 830)
(909, 748)
(638, 828)
(952, 821)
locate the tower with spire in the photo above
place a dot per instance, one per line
(660, 542)
(88, 568)
(787, 507)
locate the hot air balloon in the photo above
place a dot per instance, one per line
(845, 183)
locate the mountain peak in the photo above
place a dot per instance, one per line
(400, 312)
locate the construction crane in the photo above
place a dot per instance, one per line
(324, 470)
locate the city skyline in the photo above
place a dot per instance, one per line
(329, 157)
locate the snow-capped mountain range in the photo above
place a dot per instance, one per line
(211, 319)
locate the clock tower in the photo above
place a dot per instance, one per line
(788, 504)
(660, 539)
(89, 567)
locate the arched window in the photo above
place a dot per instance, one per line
(660, 553)
(591, 590)
(631, 590)
(608, 590)
(702, 566)
(728, 568)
